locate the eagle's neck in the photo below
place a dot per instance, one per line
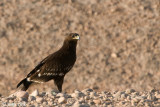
(69, 46)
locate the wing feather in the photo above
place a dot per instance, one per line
(38, 66)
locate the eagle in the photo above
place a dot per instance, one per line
(55, 66)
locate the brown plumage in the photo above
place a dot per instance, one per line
(55, 66)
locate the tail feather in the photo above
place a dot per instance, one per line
(25, 83)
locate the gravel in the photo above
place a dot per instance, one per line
(84, 98)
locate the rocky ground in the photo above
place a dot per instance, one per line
(119, 47)
(84, 98)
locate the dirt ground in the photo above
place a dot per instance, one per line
(119, 46)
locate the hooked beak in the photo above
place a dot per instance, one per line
(76, 37)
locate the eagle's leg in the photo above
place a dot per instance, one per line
(59, 82)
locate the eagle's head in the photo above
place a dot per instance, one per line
(70, 41)
(72, 37)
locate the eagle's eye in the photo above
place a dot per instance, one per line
(73, 36)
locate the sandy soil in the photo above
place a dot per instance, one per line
(119, 46)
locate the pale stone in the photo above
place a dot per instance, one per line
(22, 94)
(39, 99)
(62, 100)
(35, 93)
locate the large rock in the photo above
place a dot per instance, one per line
(22, 94)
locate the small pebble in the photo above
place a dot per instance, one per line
(77, 104)
(114, 55)
(32, 106)
(31, 98)
(23, 99)
(3, 99)
(93, 94)
(135, 100)
(97, 101)
(45, 103)
(87, 90)
(59, 95)
(123, 96)
(39, 99)
(86, 97)
(91, 103)
(62, 100)
(35, 93)
(157, 96)
(129, 91)
(77, 95)
(54, 93)
(50, 103)
(117, 95)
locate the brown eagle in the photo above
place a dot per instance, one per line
(55, 66)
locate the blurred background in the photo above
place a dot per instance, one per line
(119, 46)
